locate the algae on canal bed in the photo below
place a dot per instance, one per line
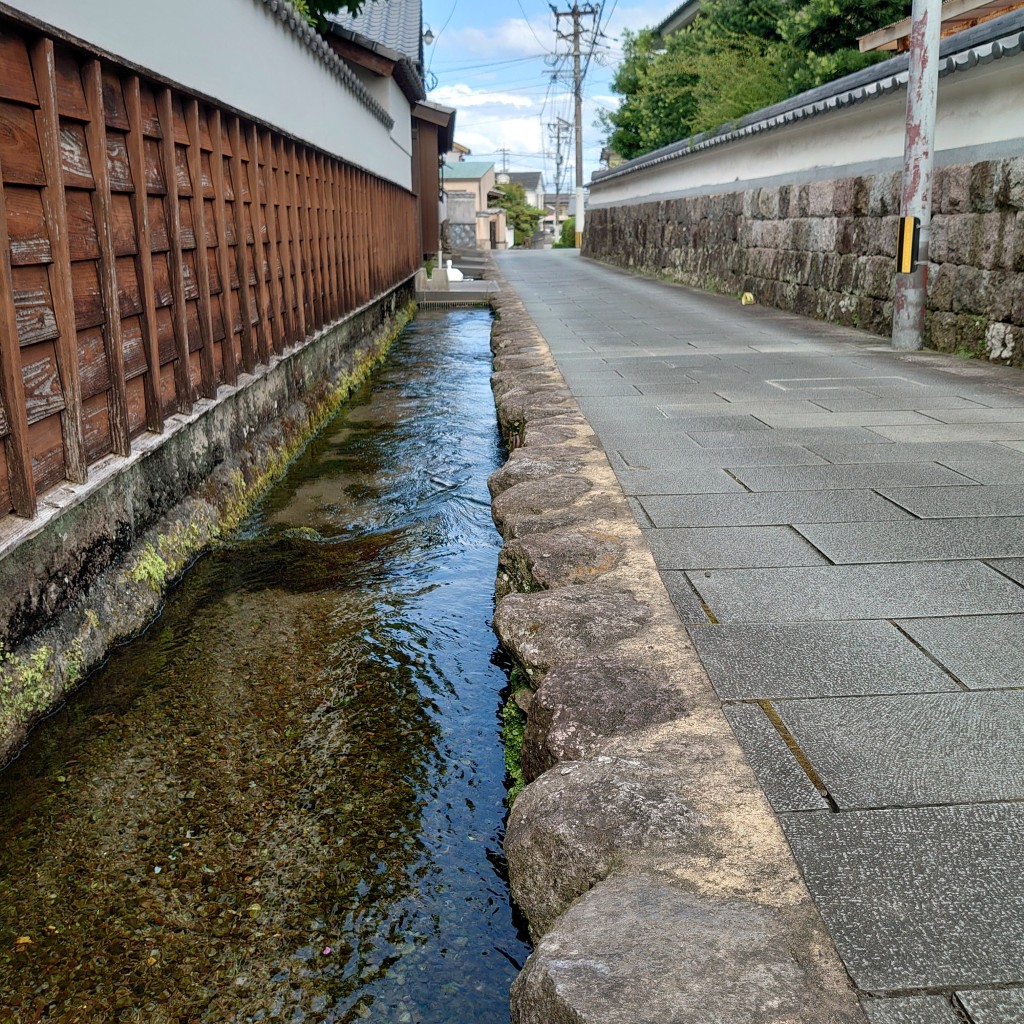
(284, 802)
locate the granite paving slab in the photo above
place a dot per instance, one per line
(695, 457)
(966, 451)
(682, 410)
(770, 508)
(808, 477)
(956, 432)
(813, 659)
(988, 471)
(700, 480)
(910, 1010)
(982, 651)
(687, 601)
(950, 502)
(823, 418)
(866, 402)
(657, 389)
(1012, 567)
(978, 415)
(810, 437)
(919, 898)
(785, 783)
(601, 390)
(908, 750)
(1005, 1006)
(917, 540)
(847, 592)
(729, 547)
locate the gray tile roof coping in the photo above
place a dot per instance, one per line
(295, 23)
(1002, 37)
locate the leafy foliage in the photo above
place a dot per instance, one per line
(518, 213)
(736, 57)
(316, 11)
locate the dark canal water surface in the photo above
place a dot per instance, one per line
(284, 802)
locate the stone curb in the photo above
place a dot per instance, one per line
(655, 878)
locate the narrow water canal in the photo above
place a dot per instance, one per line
(284, 802)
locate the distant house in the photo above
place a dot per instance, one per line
(383, 45)
(956, 16)
(532, 182)
(675, 22)
(474, 222)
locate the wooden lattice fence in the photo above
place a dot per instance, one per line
(152, 248)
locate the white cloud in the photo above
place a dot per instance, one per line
(462, 96)
(514, 37)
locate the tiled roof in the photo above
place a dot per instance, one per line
(298, 26)
(528, 179)
(398, 24)
(467, 170)
(998, 39)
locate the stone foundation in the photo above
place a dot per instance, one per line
(826, 249)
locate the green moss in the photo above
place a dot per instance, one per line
(513, 727)
(26, 684)
(149, 568)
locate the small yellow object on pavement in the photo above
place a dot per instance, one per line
(747, 299)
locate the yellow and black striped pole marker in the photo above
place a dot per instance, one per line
(907, 245)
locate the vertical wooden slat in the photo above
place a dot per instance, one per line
(289, 330)
(297, 253)
(55, 212)
(327, 173)
(144, 257)
(96, 139)
(182, 379)
(326, 282)
(339, 236)
(194, 154)
(241, 249)
(309, 243)
(346, 239)
(364, 232)
(258, 252)
(273, 251)
(12, 383)
(223, 263)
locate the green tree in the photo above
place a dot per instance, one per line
(316, 11)
(523, 217)
(737, 57)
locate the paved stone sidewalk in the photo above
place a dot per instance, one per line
(842, 531)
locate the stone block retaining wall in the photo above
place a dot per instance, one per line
(827, 249)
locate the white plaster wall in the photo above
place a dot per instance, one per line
(977, 108)
(238, 52)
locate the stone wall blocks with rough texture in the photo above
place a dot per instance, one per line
(542, 629)
(545, 561)
(884, 195)
(821, 199)
(641, 949)
(584, 702)
(969, 290)
(956, 189)
(582, 820)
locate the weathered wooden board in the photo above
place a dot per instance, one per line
(33, 305)
(74, 155)
(92, 360)
(46, 443)
(70, 94)
(17, 82)
(19, 147)
(96, 426)
(26, 225)
(82, 238)
(43, 395)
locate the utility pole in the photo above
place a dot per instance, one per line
(557, 131)
(577, 13)
(504, 159)
(918, 160)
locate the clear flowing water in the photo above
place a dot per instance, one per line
(285, 801)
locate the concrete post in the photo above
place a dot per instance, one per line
(918, 160)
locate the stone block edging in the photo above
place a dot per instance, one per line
(655, 878)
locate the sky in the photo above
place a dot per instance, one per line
(494, 62)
